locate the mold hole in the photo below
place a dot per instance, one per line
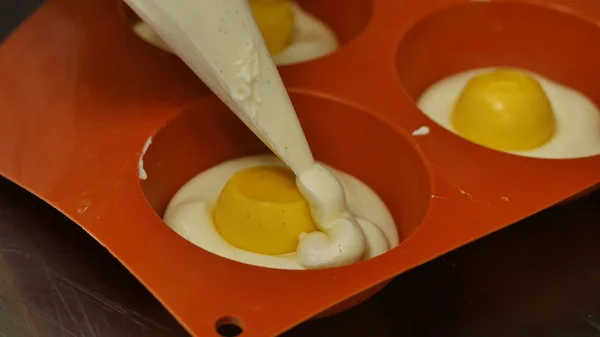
(559, 49)
(206, 134)
(320, 28)
(229, 327)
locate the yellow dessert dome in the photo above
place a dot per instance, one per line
(276, 21)
(261, 210)
(504, 109)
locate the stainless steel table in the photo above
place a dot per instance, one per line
(540, 278)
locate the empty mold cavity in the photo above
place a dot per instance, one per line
(321, 28)
(544, 41)
(206, 134)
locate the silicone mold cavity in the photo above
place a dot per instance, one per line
(544, 40)
(351, 140)
(346, 19)
(348, 139)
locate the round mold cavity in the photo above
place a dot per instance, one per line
(347, 19)
(538, 38)
(205, 134)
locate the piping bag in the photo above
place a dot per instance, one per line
(221, 43)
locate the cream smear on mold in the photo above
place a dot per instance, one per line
(221, 43)
(141, 172)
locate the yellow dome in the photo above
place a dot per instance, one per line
(505, 110)
(276, 21)
(261, 210)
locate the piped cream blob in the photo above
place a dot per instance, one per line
(340, 240)
(577, 119)
(190, 214)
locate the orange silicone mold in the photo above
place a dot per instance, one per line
(80, 95)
